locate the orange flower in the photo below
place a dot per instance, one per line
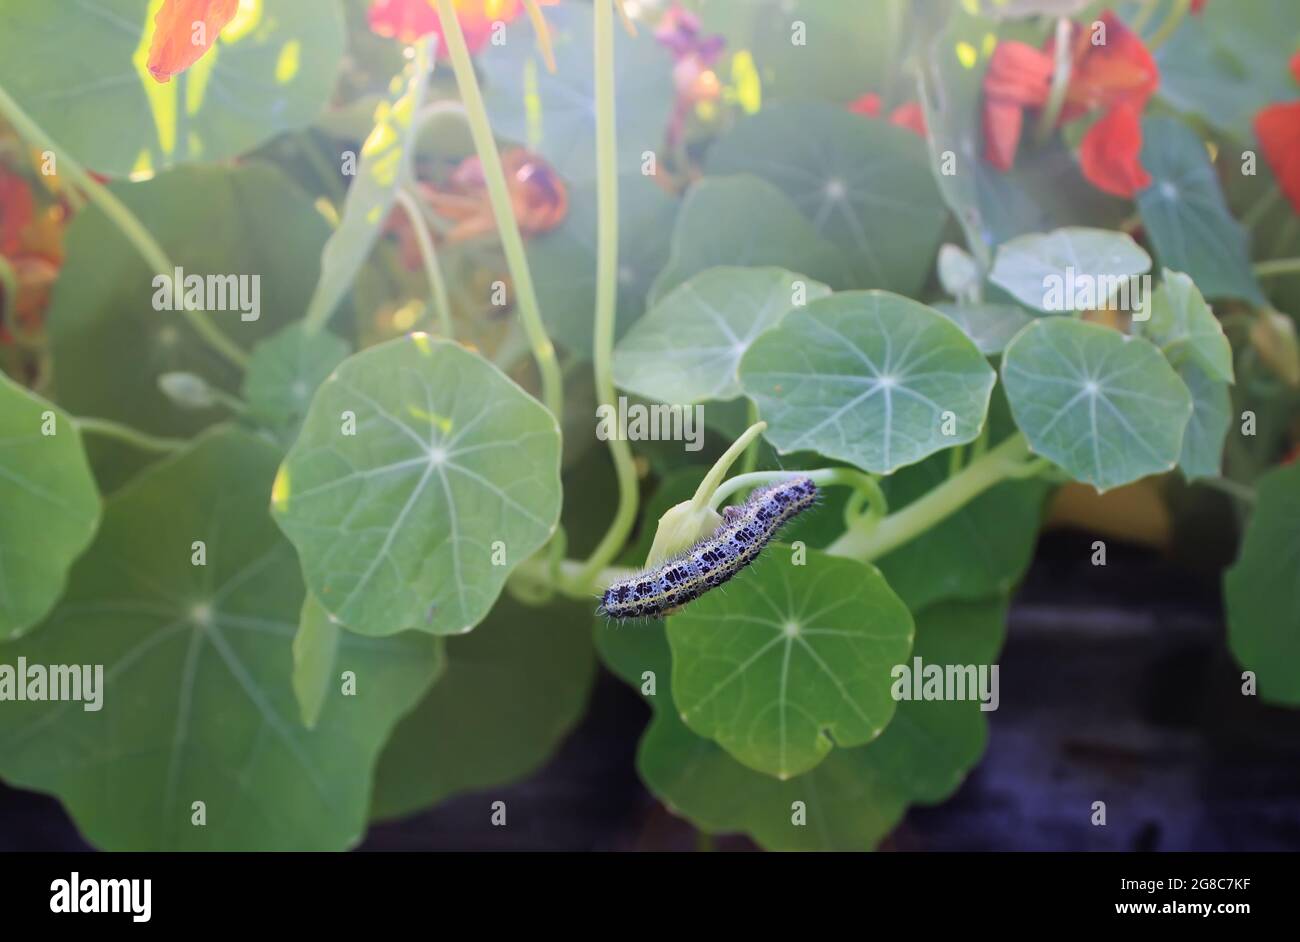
(408, 20)
(31, 240)
(1116, 76)
(908, 115)
(1278, 128)
(1108, 153)
(183, 31)
(17, 208)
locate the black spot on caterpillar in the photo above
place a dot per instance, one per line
(745, 530)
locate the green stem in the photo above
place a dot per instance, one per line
(123, 218)
(607, 284)
(1170, 24)
(1060, 83)
(1278, 266)
(750, 461)
(1242, 492)
(437, 286)
(1261, 208)
(822, 477)
(512, 243)
(124, 433)
(1144, 15)
(1006, 461)
(713, 480)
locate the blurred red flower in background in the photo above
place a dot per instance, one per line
(908, 115)
(1278, 128)
(31, 242)
(183, 31)
(1116, 76)
(408, 20)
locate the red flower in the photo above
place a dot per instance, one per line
(16, 210)
(183, 31)
(867, 105)
(1108, 153)
(1199, 5)
(908, 115)
(1116, 76)
(1278, 128)
(408, 20)
(1295, 66)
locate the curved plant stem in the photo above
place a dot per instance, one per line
(1278, 266)
(437, 286)
(1169, 24)
(822, 477)
(1235, 489)
(1006, 461)
(1060, 83)
(131, 227)
(750, 461)
(607, 286)
(712, 481)
(512, 243)
(124, 433)
(1262, 207)
(543, 34)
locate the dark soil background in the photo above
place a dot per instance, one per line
(1117, 685)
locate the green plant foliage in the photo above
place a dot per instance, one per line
(792, 662)
(1262, 592)
(448, 464)
(863, 184)
(1184, 328)
(512, 689)
(688, 346)
(284, 372)
(552, 114)
(1105, 407)
(1186, 215)
(870, 378)
(51, 506)
(564, 260)
(271, 71)
(196, 699)
(1027, 265)
(745, 221)
(990, 326)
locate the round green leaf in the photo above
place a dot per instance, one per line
(745, 221)
(865, 185)
(512, 690)
(563, 262)
(555, 114)
(285, 371)
(990, 326)
(211, 221)
(315, 651)
(1104, 406)
(855, 796)
(196, 704)
(687, 348)
(1186, 215)
(1029, 266)
(1183, 327)
(870, 378)
(272, 70)
(49, 506)
(1262, 589)
(793, 660)
(421, 478)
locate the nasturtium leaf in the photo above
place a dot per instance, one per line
(1228, 61)
(1207, 429)
(285, 371)
(865, 185)
(248, 222)
(272, 70)
(1187, 217)
(1106, 407)
(855, 796)
(421, 478)
(793, 661)
(870, 378)
(382, 168)
(554, 115)
(1262, 590)
(512, 690)
(1183, 327)
(979, 551)
(563, 261)
(315, 651)
(745, 221)
(959, 273)
(1038, 270)
(189, 602)
(688, 346)
(49, 506)
(990, 326)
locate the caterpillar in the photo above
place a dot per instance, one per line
(745, 530)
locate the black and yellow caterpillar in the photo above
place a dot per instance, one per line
(745, 530)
